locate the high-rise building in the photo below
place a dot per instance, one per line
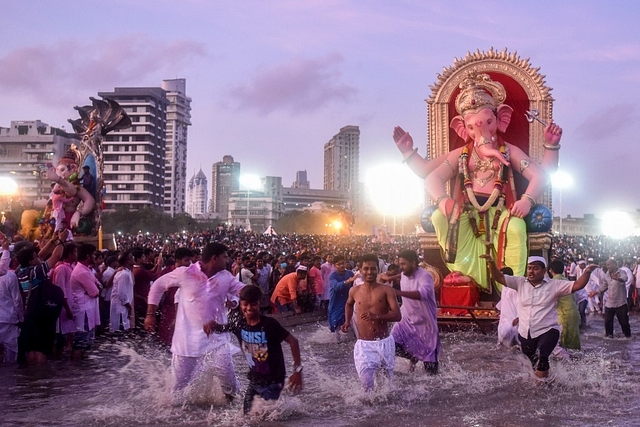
(198, 195)
(25, 149)
(341, 159)
(175, 161)
(225, 178)
(134, 158)
(301, 180)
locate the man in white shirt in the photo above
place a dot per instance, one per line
(597, 276)
(204, 287)
(616, 303)
(538, 328)
(581, 297)
(11, 309)
(628, 283)
(247, 272)
(122, 295)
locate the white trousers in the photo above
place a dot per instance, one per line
(371, 356)
(186, 369)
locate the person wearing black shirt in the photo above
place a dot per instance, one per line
(260, 339)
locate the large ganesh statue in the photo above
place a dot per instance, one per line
(487, 177)
(76, 180)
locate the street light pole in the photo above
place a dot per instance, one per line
(560, 207)
(561, 180)
(248, 222)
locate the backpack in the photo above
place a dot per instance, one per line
(42, 299)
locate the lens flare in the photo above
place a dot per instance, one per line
(394, 189)
(617, 225)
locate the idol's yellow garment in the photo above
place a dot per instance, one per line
(470, 247)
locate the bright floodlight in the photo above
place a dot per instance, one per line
(617, 225)
(394, 189)
(251, 182)
(8, 187)
(561, 179)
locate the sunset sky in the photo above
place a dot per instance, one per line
(272, 81)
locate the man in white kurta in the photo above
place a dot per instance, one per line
(122, 295)
(204, 287)
(11, 309)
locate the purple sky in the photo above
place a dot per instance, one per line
(273, 81)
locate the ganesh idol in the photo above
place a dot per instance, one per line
(76, 201)
(482, 213)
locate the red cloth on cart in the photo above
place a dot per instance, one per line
(459, 295)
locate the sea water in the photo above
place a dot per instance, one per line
(128, 382)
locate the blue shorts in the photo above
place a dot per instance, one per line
(267, 392)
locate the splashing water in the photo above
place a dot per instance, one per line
(479, 384)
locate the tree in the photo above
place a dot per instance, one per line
(149, 220)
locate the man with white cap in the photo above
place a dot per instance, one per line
(538, 295)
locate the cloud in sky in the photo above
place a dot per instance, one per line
(607, 123)
(299, 85)
(59, 72)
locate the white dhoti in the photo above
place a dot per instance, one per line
(186, 369)
(370, 356)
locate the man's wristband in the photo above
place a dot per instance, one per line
(297, 369)
(150, 314)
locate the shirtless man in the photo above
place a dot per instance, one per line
(376, 307)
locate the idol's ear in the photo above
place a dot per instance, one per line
(504, 117)
(457, 124)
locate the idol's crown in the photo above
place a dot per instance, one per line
(478, 91)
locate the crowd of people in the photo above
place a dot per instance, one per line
(193, 288)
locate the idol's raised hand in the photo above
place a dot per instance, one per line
(403, 140)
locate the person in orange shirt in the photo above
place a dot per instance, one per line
(315, 275)
(285, 295)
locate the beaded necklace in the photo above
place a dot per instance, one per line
(470, 199)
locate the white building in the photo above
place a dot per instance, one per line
(225, 178)
(341, 167)
(134, 158)
(198, 196)
(341, 160)
(25, 149)
(257, 210)
(175, 162)
(299, 199)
